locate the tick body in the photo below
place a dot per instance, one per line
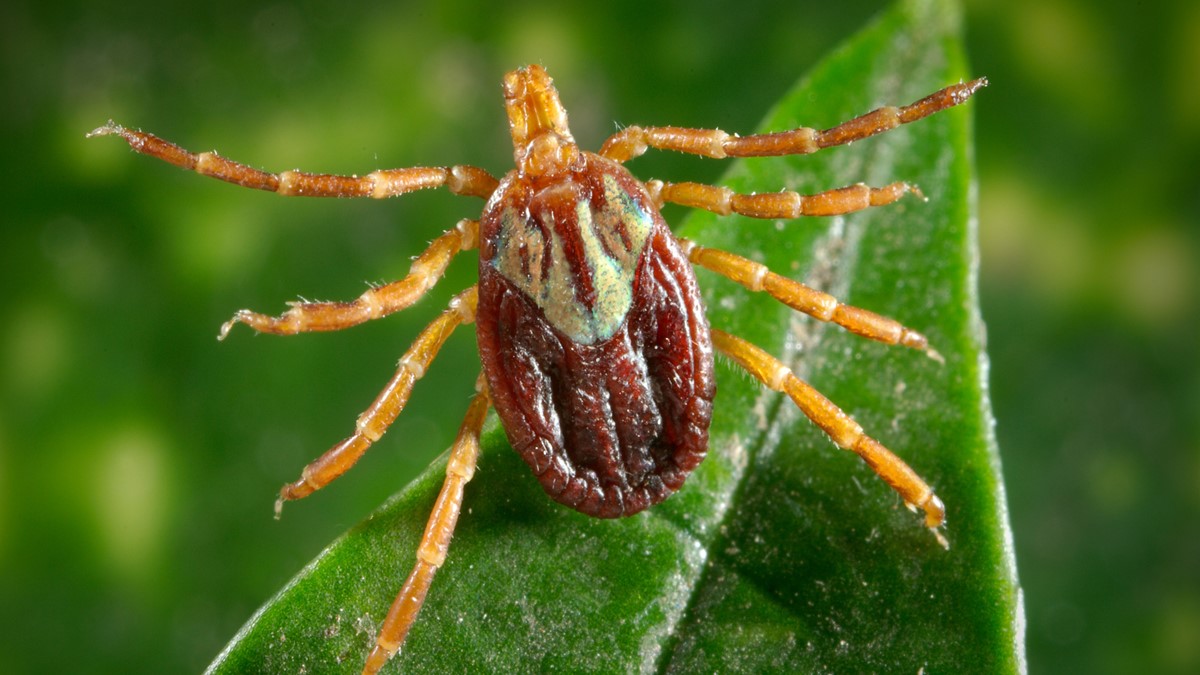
(596, 352)
(591, 330)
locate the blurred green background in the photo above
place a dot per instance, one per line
(139, 458)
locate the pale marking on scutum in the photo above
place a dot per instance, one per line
(612, 239)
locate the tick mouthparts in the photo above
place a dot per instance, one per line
(538, 122)
(533, 105)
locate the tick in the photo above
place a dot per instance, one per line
(596, 352)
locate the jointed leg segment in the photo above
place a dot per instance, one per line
(634, 141)
(372, 424)
(822, 306)
(839, 426)
(785, 204)
(460, 179)
(376, 302)
(436, 541)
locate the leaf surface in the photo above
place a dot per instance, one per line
(782, 552)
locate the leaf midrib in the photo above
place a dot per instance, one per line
(780, 416)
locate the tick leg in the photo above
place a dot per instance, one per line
(838, 426)
(438, 531)
(376, 419)
(632, 142)
(785, 204)
(460, 179)
(822, 306)
(377, 302)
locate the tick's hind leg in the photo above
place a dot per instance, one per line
(838, 426)
(821, 306)
(631, 142)
(372, 424)
(377, 302)
(438, 531)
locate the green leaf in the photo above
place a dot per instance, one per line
(782, 552)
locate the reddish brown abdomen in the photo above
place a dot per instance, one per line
(593, 339)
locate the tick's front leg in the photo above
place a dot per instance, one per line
(632, 142)
(381, 184)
